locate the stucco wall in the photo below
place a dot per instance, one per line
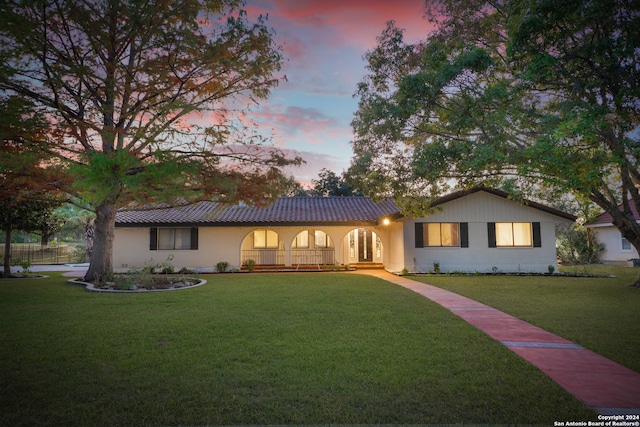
(215, 244)
(477, 210)
(613, 253)
(131, 249)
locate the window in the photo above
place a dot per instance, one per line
(302, 240)
(442, 234)
(173, 239)
(514, 234)
(322, 240)
(352, 244)
(263, 239)
(626, 245)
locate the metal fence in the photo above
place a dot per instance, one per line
(36, 254)
(264, 256)
(321, 256)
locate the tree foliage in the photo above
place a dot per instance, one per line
(144, 100)
(26, 214)
(543, 91)
(330, 184)
(577, 245)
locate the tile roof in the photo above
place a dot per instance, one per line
(284, 211)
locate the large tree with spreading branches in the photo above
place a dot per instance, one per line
(144, 100)
(541, 92)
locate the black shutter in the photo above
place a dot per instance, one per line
(464, 234)
(153, 239)
(537, 238)
(419, 235)
(194, 238)
(491, 231)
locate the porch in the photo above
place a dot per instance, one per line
(316, 257)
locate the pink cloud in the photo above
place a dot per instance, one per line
(293, 121)
(356, 22)
(309, 171)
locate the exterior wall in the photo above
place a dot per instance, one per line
(477, 210)
(131, 249)
(612, 239)
(394, 246)
(215, 244)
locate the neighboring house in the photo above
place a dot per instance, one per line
(474, 230)
(618, 250)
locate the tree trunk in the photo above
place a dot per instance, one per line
(101, 266)
(635, 242)
(7, 252)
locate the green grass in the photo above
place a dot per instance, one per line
(258, 349)
(601, 314)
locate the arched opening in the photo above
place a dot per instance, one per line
(312, 247)
(364, 246)
(263, 246)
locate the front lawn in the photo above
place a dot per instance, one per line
(601, 314)
(258, 349)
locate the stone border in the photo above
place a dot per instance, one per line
(90, 287)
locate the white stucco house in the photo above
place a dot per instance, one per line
(472, 230)
(618, 250)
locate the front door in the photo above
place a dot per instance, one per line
(365, 248)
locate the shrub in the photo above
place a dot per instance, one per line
(26, 264)
(166, 267)
(222, 266)
(250, 265)
(80, 253)
(578, 245)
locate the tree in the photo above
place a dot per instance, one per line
(142, 99)
(48, 224)
(330, 184)
(75, 220)
(22, 214)
(543, 91)
(25, 204)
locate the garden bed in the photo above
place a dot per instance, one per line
(134, 283)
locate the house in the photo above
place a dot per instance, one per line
(472, 230)
(618, 250)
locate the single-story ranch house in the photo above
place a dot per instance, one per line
(618, 250)
(478, 230)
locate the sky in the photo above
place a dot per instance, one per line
(324, 42)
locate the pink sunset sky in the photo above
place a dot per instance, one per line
(324, 42)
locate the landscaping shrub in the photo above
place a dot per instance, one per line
(222, 267)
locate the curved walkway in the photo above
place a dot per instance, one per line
(605, 386)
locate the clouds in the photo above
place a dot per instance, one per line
(324, 42)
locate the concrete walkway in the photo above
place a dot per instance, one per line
(76, 269)
(605, 386)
